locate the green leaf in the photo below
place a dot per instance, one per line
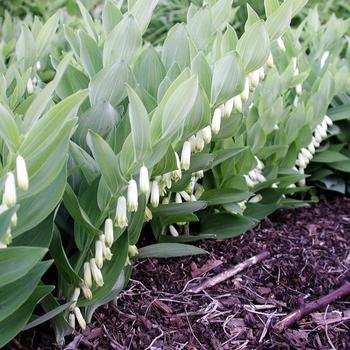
(341, 166)
(71, 203)
(42, 100)
(46, 33)
(142, 13)
(168, 250)
(254, 46)
(90, 54)
(111, 16)
(220, 13)
(122, 42)
(178, 208)
(137, 220)
(62, 263)
(278, 22)
(109, 85)
(329, 157)
(107, 162)
(228, 78)
(15, 323)
(13, 295)
(8, 129)
(140, 126)
(224, 195)
(25, 48)
(15, 262)
(226, 225)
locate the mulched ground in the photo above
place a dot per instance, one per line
(310, 256)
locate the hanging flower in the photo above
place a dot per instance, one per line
(22, 174)
(132, 196)
(121, 217)
(144, 180)
(9, 197)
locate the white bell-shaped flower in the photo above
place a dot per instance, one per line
(155, 194)
(216, 121)
(22, 174)
(9, 197)
(173, 231)
(280, 44)
(108, 232)
(144, 180)
(99, 254)
(186, 155)
(80, 318)
(245, 93)
(87, 275)
(132, 196)
(96, 273)
(121, 219)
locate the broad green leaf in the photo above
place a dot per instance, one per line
(329, 157)
(137, 220)
(178, 208)
(90, 54)
(8, 129)
(107, 162)
(220, 13)
(71, 203)
(111, 16)
(200, 67)
(25, 48)
(226, 225)
(228, 78)
(142, 13)
(224, 195)
(16, 262)
(109, 85)
(278, 22)
(254, 46)
(46, 33)
(62, 263)
(42, 100)
(122, 42)
(13, 295)
(168, 250)
(140, 126)
(13, 324)
(88, 21)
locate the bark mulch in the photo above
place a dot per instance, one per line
(310, 256)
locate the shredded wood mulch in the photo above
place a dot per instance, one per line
(309, 257)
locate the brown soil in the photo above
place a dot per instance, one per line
(310, 256)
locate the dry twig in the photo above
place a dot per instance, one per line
(225, 275)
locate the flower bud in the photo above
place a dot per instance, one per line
(242, 205)
(237, 104)
(324, 125)
(178, 198)
(256, 199)
(185, 196)
(99, 254)
(193, 198)
(30, 87)
(216, 121)
(74, 298)
(166, 200)
(199, 191)
(71, 320)
(80, 318)
(108, 232)
(107, 254)
(249, 181)
(148, 214)
(315, 142)
(252, 174)
(9, 196)
(311, 148)
(260, 164)
(206, 134)
(7, 239)
(228, 107)
(132, 250)
(177, 174)
(306, 153)
(22, 174)
(299, 89)
(121, 217)
(274, 185)
(192, 141)
(253, 80)
(245, 93)
(260, 177)
(186, 155)
(318, 137)
(270, 60)
(127, 261)
(328, 120)
(38, 65)
(87, 292)
(96, 273)
(199, 145)
(2, 245)
(87, 275)
(166, 178)
(324, 58)
(132, 196)
(14, 220)
(280, 44)
(261, 73)
(322, 131)
(144, 180)
(301, 162)
(173, 231)
(155, 194)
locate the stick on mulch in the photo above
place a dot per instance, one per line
(306, 309)
(225, 275)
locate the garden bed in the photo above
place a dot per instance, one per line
(310, 256)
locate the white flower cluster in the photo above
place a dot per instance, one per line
(9, 196)
(255, 176)
(306, 154)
